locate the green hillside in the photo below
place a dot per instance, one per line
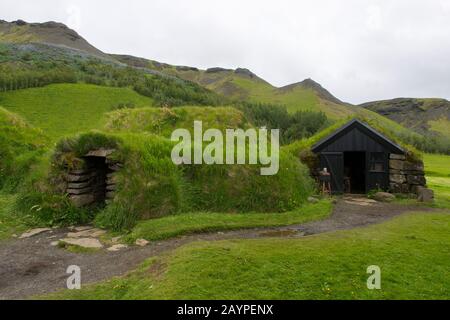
(421, 115)
(297, 97)
(62, 109)
(30, 65)
(243, 85)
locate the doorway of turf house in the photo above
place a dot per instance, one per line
(98, 182)
(355, 172)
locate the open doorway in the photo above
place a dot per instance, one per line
(93, 183)
(98, 182)
(88, 186)
(355, 172)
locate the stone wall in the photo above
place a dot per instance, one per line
(94, 183)
(405, 176)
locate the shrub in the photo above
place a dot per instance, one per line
(301, 124)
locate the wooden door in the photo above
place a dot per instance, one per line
(334, 162)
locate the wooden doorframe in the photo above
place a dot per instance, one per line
(335, 175)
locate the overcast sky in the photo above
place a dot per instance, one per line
(360, 50)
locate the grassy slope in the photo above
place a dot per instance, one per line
(326, 266)
(18, 34)
(197, 222)
(420, 115)
(295, 100)
(438, 178)
(306, 95)
(9, 223)
(441, 126)
(63, 109)
(163, 121)
(252, 88)
(20, 146)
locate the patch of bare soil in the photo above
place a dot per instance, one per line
(32, 266)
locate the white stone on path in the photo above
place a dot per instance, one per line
(142, 242)
(117, 247)
(34, 232)
(93, 232)
(82, 228)
(83, 242)
(116, 239)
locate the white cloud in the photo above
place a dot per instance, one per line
(359, 49)
(374, 21)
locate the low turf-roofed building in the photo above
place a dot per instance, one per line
(360, 159)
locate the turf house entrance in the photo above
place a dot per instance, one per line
(360, 159)
(94, 184)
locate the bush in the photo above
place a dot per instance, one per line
(50, 209)
(301, 124)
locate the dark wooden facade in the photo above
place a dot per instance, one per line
(357, 156)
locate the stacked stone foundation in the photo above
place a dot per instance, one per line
(95, 183)
(405, 176)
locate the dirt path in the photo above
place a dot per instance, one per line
(32, 266)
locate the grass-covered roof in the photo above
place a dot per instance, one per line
(384, 126)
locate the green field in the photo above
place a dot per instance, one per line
(437, 169)
(198, 222)
(63, 109)
(325, 266)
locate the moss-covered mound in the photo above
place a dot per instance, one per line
(242, 188)
(162, 121)
(147, 183)
(20, 145)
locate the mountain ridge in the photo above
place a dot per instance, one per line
(50, 32)
(240, 83)
(423, 115)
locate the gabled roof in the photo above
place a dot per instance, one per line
(364, 128)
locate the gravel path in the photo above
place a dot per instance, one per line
(32, 266)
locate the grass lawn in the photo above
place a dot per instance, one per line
(62, 109)
(437, 169)
(413, 252)
(9, 223)
(188, 223)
